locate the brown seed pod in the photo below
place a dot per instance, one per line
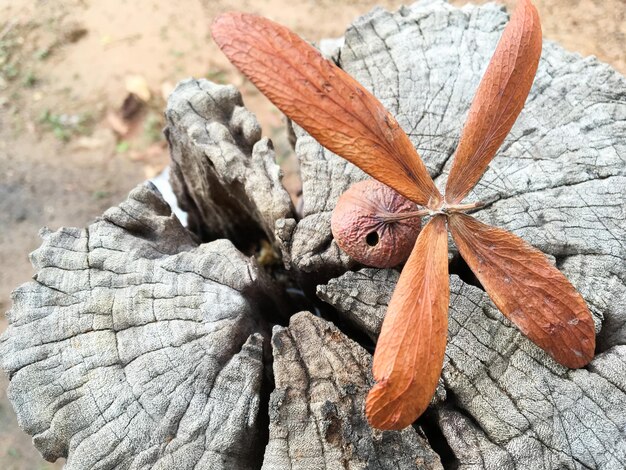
(367, 223)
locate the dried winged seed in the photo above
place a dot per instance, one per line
(360, 230)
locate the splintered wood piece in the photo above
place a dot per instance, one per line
(139, 343)
(224, 174)
(316, 410)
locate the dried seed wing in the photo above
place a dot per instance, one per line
(327, 102)
(528, 290)
(412, 342)
(498, 101)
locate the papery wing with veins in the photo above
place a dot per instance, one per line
(412, 343)
(528, 290)
(498, 101)
(324, 100)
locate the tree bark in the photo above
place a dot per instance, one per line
(137, 346)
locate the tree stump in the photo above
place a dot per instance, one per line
(143, 344)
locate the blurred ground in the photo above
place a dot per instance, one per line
(69, 148)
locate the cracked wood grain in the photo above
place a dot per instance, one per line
(558, 182)
(134, 347)
(317, 418)
(509, 405)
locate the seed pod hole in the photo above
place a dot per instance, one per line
(374, 224)
(372, 238)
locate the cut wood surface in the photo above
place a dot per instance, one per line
(509, 404)
(139, 346)
(559, 179)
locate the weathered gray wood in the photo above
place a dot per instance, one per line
(559, 181)
(509, 405)
(224, 174)
(316, 410)
(134, 344)
(136, 348)
(364, 305)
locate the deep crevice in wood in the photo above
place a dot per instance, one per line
(267, 386)
(428, 424)
(459, 267)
